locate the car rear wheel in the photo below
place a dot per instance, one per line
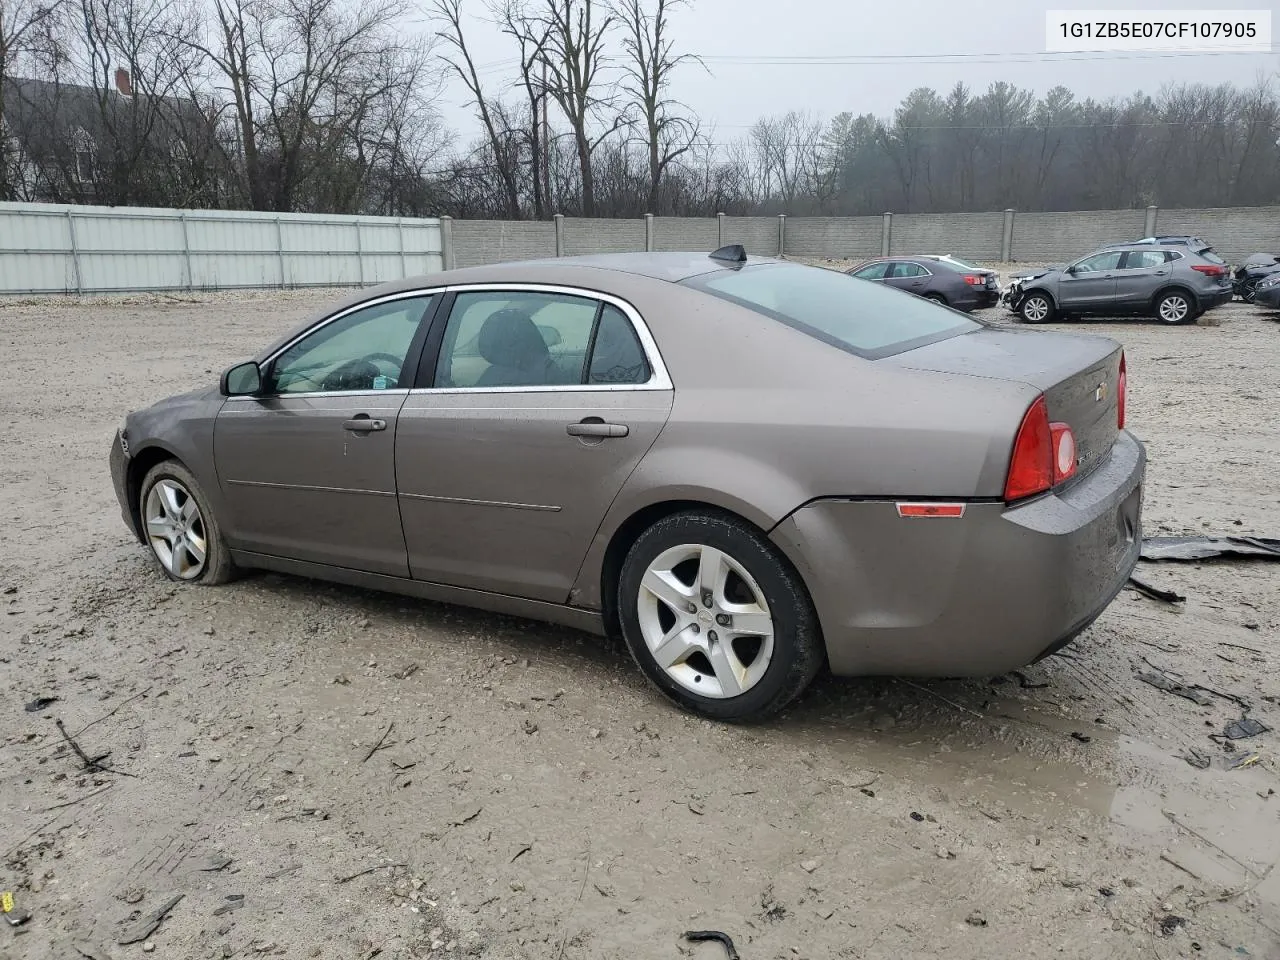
(180, 528)
(1036, 308)
(936, 298)
(717, 618)
(1175, 307)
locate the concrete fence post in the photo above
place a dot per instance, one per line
(75, 250)
(886, 234)
(359, 254)
(447, 254)
(1006, 238)
(186, 250)
(559, 218)
(280, 250)
(404, 263)
(719, 230)
(782, 234)
(648, 232)
(1149, 225)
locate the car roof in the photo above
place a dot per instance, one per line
(671, 266)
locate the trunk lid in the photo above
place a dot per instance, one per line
(1078, 375)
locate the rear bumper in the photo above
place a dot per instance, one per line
(1215, 298)
(980, 595)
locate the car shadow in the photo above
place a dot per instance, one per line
(965, 712)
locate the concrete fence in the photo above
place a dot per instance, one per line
(1005, 235)
(47, 248)
(71, 249)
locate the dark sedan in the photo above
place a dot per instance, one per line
(942, 280)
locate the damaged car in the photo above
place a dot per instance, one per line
(747, 469)
(1174, 284)
(1256, 268)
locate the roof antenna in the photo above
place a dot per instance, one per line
(734, 253)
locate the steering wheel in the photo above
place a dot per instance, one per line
(390, 358)
(361, 373)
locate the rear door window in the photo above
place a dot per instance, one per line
(875, 271)
(1144, 259)
(867, 319)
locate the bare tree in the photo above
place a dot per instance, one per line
(576, 58)
(649, 63)
(304, 77)
(531, 36)
(28, 37)
(502, 144)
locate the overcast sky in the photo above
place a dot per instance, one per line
(925, 42)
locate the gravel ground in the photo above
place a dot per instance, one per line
(534, 798)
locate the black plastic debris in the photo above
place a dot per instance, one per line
(1155, 593)
(918, 818)
(714, 936)
(1169, 923)
(1205, 548)
(1161, 682)
(1243, 728)
(1082, 737)
(39, 703)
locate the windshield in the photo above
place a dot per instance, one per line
(866, 318)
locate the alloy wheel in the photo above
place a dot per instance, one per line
(1036, 309)
(175, 529)
(705, 621)
(1174, 308)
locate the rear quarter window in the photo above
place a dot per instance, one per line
(867, 319)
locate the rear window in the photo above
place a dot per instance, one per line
(868, 319)
(1209, 255)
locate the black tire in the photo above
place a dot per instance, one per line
(936, 298)
(1034, 314)
(798, 649)
(1164, 307)
(218, 566)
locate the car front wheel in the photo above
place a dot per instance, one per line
(717, 618)
(180, 528)
(1036, 308)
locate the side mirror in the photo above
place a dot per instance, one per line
(1072, 270)
(242, 380)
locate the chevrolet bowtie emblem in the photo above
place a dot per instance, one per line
(1100, 393)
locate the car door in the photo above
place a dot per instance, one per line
(1089, 284)
(1141, 272)
(909, 276)
(307, 468)
(539, 404)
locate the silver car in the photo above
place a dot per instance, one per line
(1173, 283)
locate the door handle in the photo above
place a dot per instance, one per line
(1162, 273)
(363, 424)
(595, 427)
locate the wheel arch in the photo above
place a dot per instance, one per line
(140, 464)
(1174, 287)
(630, 529)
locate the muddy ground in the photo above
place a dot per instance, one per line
(534, 798)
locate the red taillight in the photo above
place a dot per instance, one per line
(1044, 454)
(1120, 391)
(974, 279)
(1209, 270)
